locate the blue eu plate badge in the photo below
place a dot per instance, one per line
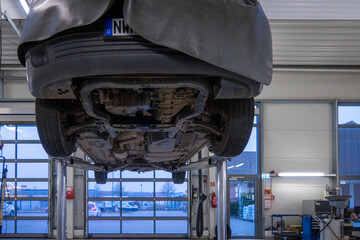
(117, 27)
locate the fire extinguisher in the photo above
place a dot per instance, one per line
(213, 200)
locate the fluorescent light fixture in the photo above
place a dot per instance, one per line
(24, 5)
(301, 174)
(230, 167)
(239, 165)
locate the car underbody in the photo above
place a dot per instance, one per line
(142, 124)
(142, 128)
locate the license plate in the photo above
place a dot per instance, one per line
(115, 27)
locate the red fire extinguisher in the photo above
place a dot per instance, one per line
(213, 200)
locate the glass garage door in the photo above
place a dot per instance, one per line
(137, 204)
(26, 193)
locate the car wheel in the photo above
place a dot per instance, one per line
(237, 121)
(51, 127)
(178, 177)
(100, 177)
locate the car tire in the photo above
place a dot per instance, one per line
(238, 125)
(178, 177)
(51, 127)
(100, 177)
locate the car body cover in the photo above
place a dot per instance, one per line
(230, 34)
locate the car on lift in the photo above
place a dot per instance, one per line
(144, 85)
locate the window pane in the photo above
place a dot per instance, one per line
(10, 189)
(137, 209)
(349, 114)
(137, 189)
(163, 174)
(171, 190)
(171, 209)
(108, 190)
(255, 119)
(32, 226)
(133, 226)
(32, 170)
(7, 132)
(349, 151)
(8, 226)
(32, 189)
(160, 174)
(252, 143)
(242, 208)
(167, 226)
(111, 175)
(130, 174)
(104, 226)
(8, 151)
(10, 168)
(245, 163)
(352, 187)
(31, 151)
(27, 132)
(32, 208)
(9, 208)
(104, 209)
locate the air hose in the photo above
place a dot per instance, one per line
(200, 216)
(202, 198)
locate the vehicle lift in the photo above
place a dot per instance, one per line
(207, 162)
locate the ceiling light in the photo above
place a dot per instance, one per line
(301, 174)
(230, 167)
(239, 165)
(24, 5)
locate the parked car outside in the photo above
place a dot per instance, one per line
(129, 206)
(9, 209)
(93, 210)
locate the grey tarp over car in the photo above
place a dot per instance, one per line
(231, 34)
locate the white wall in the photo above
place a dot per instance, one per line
(306, 84)
(298, 136)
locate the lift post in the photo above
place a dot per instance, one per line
(61, 199)
(221, 200)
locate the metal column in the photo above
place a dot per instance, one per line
(221, 200)
(61, 199)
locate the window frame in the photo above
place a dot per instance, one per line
(337, 128)
(259, 206)
(15, 199)
(153, 199)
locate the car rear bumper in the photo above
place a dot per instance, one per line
(52, 65)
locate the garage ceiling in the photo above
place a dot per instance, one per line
(305, 32)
